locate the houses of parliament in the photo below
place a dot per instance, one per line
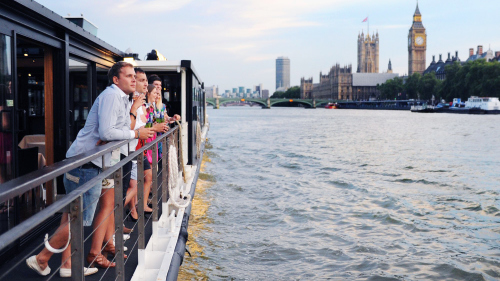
(342, 84)
(368, 53)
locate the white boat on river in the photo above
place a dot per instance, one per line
(479, 105)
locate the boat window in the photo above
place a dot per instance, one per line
(102, 79)
(80, 92)
(6, 108)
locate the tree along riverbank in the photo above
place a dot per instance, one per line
(476, 78)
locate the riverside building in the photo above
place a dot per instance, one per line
(488, 55)
(341, 84)
(439, 67)
(368, 53)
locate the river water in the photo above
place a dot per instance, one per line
(301, 194)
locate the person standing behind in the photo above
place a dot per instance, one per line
(155, 80)
(106, 121)
(139, 119)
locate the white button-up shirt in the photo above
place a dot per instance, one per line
(108, 120)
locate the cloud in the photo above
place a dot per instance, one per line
(254, 18)
(391, 26)
(231, 48)
(260, 58)
(128, 7)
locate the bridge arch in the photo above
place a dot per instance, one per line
(263, 103)
(322, 102)
(305, 102)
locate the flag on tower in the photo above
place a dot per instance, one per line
(365, 19)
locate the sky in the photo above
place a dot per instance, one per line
(234, 43)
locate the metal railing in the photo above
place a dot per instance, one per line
(72, 202)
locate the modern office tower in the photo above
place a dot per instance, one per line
(235, 90)
(417, 45)
(241, 90)
(283, 73)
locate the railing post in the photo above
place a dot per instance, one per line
(120, 265)
(154, 184)
(164, 187)
(54, 189)
(179, 150)
(140, 201)
(76, 228)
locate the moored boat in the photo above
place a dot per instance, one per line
(478, 105)
(439, 108)
(423, 108)
(332, 105)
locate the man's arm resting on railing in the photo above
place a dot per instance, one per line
(109, 108)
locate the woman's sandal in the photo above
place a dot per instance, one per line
(99, 260)
(111, 250)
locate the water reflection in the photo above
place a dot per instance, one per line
(198, 221)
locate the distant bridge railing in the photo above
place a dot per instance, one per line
(313, 103)
(269, 102)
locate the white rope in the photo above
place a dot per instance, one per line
(198, 140)
(182, 153)
(58, 251)
(176, 196)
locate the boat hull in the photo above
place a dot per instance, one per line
(475, 111)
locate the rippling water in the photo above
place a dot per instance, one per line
(296, 194)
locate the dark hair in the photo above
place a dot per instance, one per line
(151, 87)
(115, 70)
(139, 70)
(154, 77)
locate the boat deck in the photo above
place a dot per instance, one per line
(22, 272)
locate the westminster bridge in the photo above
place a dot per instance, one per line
(267, 103)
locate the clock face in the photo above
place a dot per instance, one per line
(419, 40)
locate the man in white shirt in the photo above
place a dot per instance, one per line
(108, 120)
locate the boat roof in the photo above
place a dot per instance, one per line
(53, 19)
(165, 65)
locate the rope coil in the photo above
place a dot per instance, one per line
(58, 251)
(176, 196)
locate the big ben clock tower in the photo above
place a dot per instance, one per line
(417, 45)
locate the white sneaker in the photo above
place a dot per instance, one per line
(125, 248)
(33, 264)
(66, 272)
(125, 238)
